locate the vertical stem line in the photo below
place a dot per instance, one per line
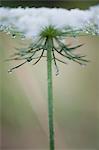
(50, 94)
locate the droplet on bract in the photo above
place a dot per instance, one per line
(57, 72)
(29, 59)
(87, 32)
(10, 71)
(13, 36)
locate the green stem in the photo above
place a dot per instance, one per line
(50, 94)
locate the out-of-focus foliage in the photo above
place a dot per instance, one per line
(50, 3)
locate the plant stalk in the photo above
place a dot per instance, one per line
(50, 94)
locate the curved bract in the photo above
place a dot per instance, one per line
(40, 45)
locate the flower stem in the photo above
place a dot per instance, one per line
(50, 94)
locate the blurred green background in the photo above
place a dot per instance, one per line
(69, 4)
(23, 95)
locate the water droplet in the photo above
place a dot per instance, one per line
(83, 65)
(13, 36)
(57, 71)
(29, 59)
(10, 71)
(87, 32)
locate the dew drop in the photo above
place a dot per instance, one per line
(83, 65)
(57, 72)
(87, 32)
(10, 71)
(13, 36)
(29, 59)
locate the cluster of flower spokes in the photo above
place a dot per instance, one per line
(41, 45)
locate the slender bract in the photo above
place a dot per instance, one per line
(50, 94)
